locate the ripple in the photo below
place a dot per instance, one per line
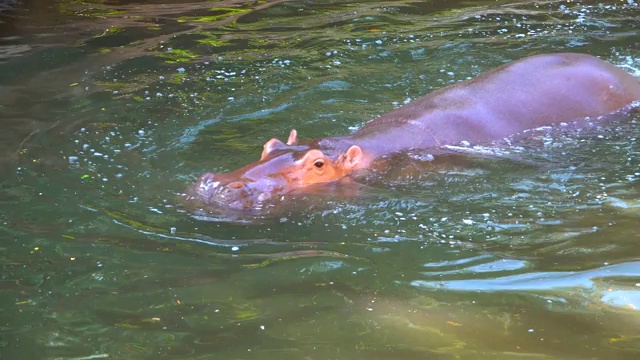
(540, 282)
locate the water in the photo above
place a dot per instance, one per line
(111, 109)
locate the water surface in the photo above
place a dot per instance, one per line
(110, 109)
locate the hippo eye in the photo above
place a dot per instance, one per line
(318, 164)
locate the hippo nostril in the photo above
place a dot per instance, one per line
(236, 185)
(208, 177)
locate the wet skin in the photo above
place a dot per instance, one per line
(536, 91)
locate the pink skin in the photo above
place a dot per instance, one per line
(536, 91)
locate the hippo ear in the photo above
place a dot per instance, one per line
(293, 137)
(352, 158)
(269, 146)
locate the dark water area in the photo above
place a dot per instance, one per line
(109, 109)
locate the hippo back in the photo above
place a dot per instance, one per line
(536, 91)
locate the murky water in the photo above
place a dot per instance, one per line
(110, 109)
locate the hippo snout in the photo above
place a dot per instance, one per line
(238, 194)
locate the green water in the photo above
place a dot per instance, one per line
(110, 109)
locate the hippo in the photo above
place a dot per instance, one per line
(536, 91)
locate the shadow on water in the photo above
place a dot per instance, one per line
(523, 249)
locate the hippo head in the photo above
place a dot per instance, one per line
(282, 169)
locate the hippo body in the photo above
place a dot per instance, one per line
(533, 92)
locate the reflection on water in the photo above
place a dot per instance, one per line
(541, 282)
(522, 249)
